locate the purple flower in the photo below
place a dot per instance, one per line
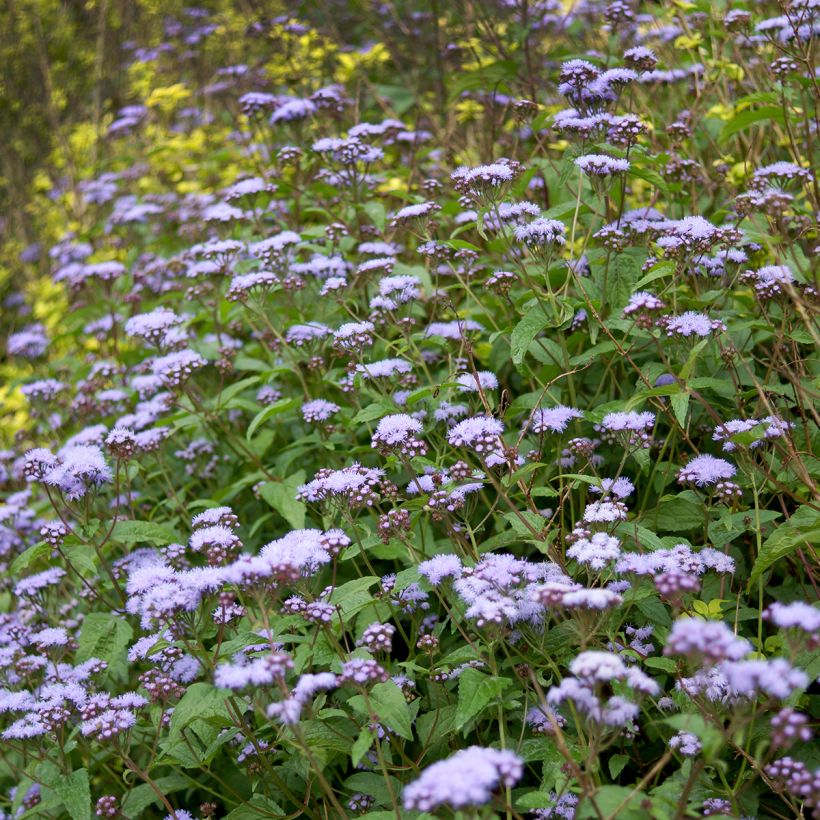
(541, 233)
(399, 432)
(300, 335)
(706, 469)
(481, 434)
(552, 419)
(686, 744)
(479, 381)
(467, 778)
(318, 410)
(690, 323)
(176, 368)
(436, 569)
(384, 369)
(262, 671)
(710, 640)
(601, 165)
(362, 671)
(797, 615)
(596, 551)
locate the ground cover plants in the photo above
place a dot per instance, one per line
(410, 411)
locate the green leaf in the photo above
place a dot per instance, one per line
(375, 410)
(257, 808)
(664, 664)
(281, 495)
(392, 709)
(376, 212)
(234, 390)
(106, 636)
(475, 691)
(623, 272)
(616, 764)
(281, 406)
(142, 796)
(134, 532)
(680, 513)
(802, 528)
(611, 802)
(362, 746)
(195, 724)
(75, 793)
(746, 119)
(353, 595)
(680, 405)
(30, 556)
(524, 333)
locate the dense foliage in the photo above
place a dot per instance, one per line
(410, 410)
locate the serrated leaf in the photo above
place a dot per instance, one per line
(373, 411)
(803, 528)
(134, 532)
(281, 495)
(664, 664)
(141, 797)
(524, 333)
(105, 636)
(75, 793)
(362, 746)
(746, 119)
(393, 710)
(475, 691)
(616, 764)
(281, 406)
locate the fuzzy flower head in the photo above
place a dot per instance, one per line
(601, 165)
(706, 470)
(399, 432)
(711, 641)
(552, 419)
(468, 778)
(482, 435)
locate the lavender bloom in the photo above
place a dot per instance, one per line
(318, 410)
(154, 325)
(398, 432)
(384, 369)
(690, 323)
(75, 471)
(686, 744)
(456, 329)
(176, 368)
(354, 336)
(797, 615)
(552, 419)
(411, 212)
(789, 727)
(30, 343)
(774, 428)
(301, 335)
(436, 569)
(643, 302)
(467, 778)
(362, 671)
(355, 484)
(541, 233)
(774, 678)
(481, 434)
(704, 470)
(289, 711)
(262, 671)
(476, 382)
(600, 165)
(596, 551)
(709, 640)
